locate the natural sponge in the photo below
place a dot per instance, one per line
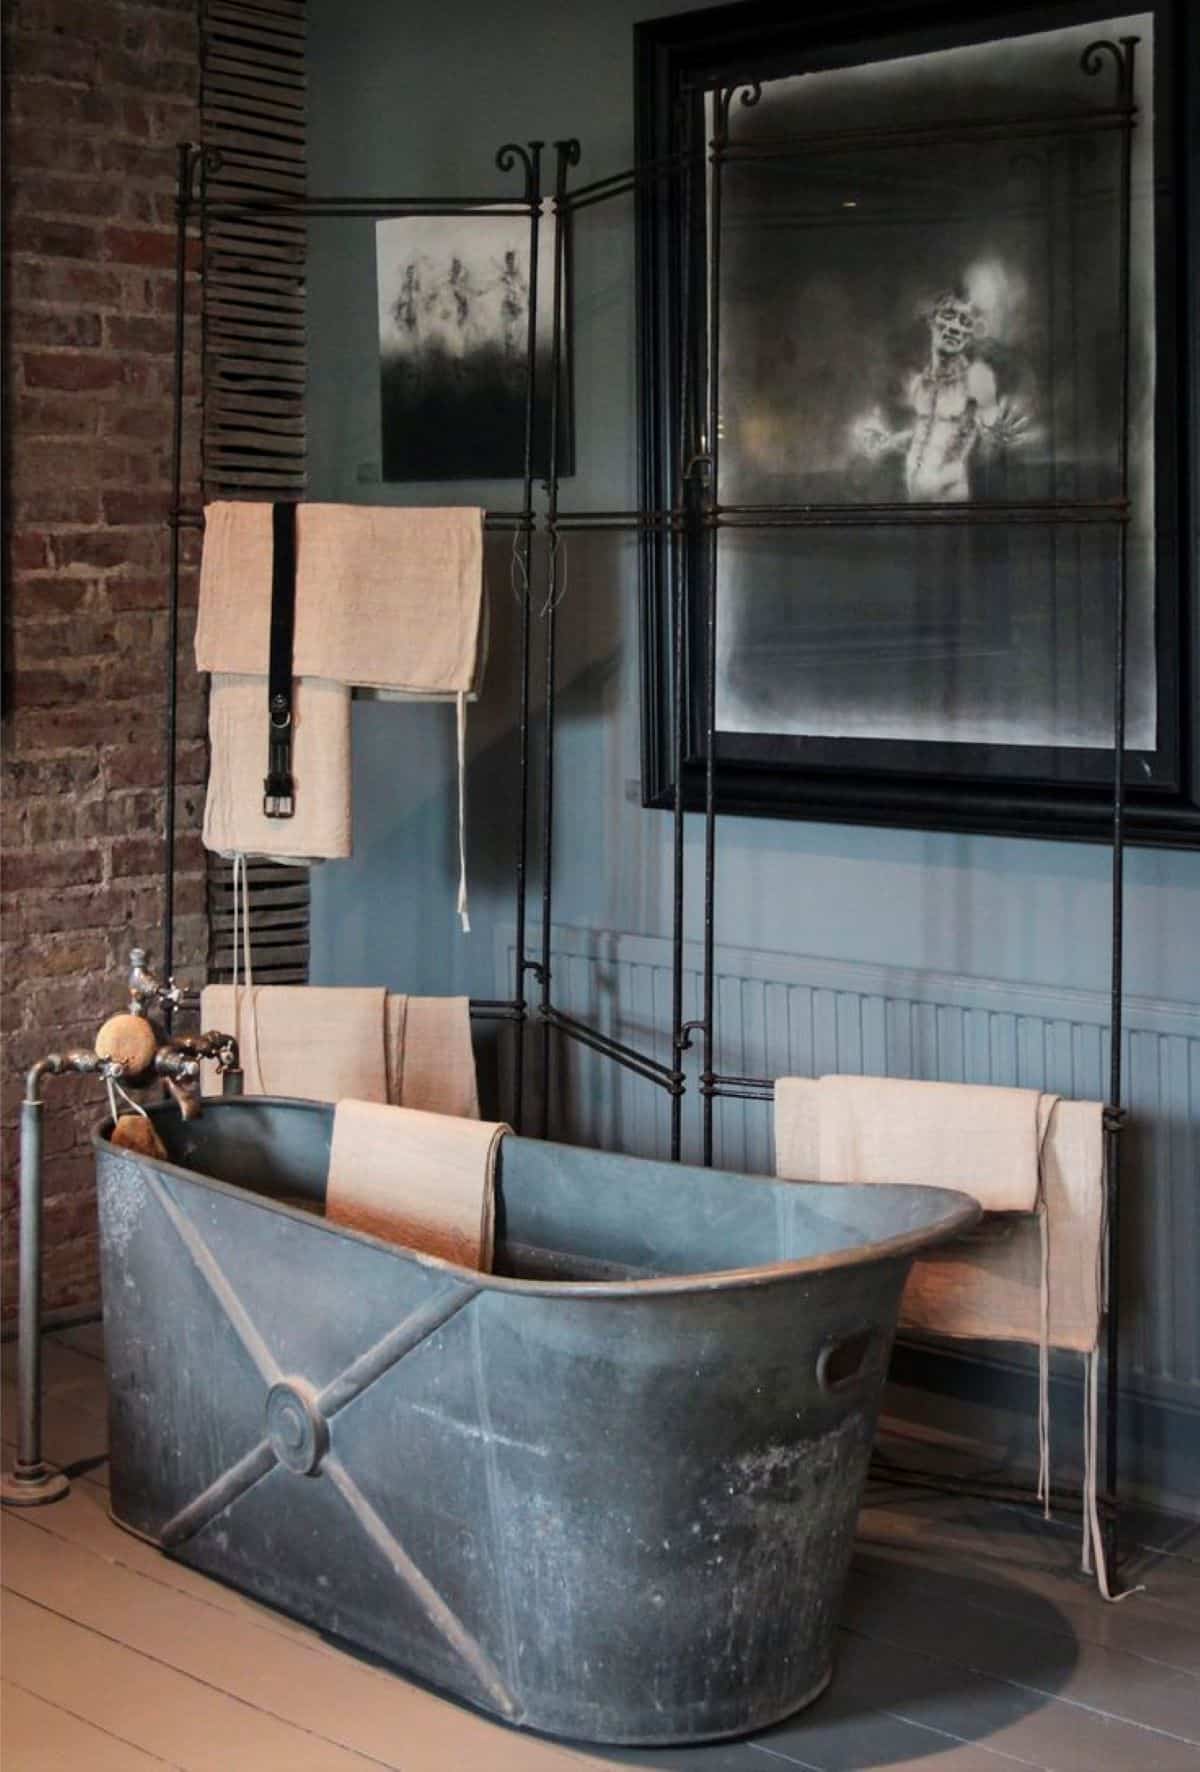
(130, 1041)
(134, 1132)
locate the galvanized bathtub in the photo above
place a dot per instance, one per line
(607, 1492)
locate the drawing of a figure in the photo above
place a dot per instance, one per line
(956, 407)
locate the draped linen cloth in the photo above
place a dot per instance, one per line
(387, 598)
(310, 1042)
(986, 1286)
(323, 1043)
(431, 1060)
(425, 1181)
(1029, 1276)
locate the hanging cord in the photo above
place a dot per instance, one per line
(1043, 1488)
(114, 1089)
(1043, 1484)
(558, 548)
(241, 902)
(518, 574)
(1093, 1535)
(460, 710)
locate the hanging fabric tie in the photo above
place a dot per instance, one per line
(279, 789)
(460, 710)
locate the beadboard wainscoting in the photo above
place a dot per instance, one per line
(787, 1014)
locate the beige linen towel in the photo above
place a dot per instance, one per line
(431, 1060)
(234, 821)
(988, 1286)
(310, 1042)
(426, 1181)
(983, 1140)
(386, 597)
(1037, 1279)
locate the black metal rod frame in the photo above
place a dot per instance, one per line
(195, 165)
(690, 527)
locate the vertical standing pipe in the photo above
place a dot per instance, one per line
(567, 155)
(533, 194)
(31, 1482)
(678, 550)
(185, 164)
(1113, 1118)
(721, 102)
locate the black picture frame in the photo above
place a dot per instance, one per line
(1002, 789)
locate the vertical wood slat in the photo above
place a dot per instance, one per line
(253, 112)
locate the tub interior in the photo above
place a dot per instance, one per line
(564, 1213)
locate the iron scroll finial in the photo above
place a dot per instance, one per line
(1121, 54)
(747, 95)
(529, 159)
(196, 164)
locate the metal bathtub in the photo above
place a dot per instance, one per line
(607, 1492)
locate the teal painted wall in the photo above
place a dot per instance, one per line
(420, 107)
(421, 110)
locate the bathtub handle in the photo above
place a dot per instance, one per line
(843, 1361)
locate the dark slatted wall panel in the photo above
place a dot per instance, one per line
(278, 923)
(252, 106)
(253, 113)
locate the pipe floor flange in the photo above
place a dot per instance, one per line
(41, 1486)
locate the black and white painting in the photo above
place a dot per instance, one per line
(918, 323)
(454, 295)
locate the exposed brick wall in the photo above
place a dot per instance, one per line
(97, 93)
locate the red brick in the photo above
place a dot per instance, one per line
(140, 333)
(34, 776)
(136, 507)
(70, 370)
(59, 821)
(45, 599)
(49, 58)
(51, 869)
(54, 415)
(63, 502)
(35, 280)
(137, 593)
(140, 246)
(28, 552)
(104, 548)
(51, 239)
(55, 326)
(84, 636)
(87, 908)
(134, 856)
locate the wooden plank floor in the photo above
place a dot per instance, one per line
(969, 1643)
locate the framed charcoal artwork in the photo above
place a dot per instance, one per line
(453, 345)
(915, 297)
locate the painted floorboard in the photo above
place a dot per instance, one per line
(1136, 1627)
(362, 1710)
(39, 1737)
(970, 1644)
(947, 1616)
(161, 1711)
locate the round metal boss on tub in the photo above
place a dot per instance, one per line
(298, 1432)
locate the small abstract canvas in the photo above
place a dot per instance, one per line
(454, 300)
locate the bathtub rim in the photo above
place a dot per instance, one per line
(961, 1213)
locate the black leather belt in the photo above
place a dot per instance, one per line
(279, 789)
